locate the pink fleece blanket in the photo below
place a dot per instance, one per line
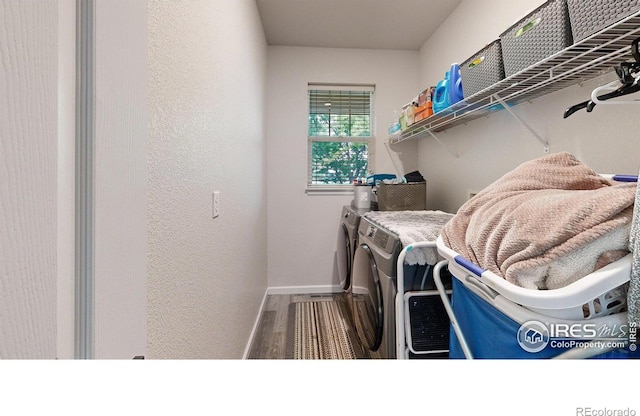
(545, 224)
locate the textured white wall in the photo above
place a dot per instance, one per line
(303, 229)
(28, 172)
(607, 139)
(207, 277)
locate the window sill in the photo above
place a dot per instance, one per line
(329, 190)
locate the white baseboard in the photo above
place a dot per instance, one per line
(255, 326)
(302, 290)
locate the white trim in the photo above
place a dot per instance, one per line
(303, 290)
(342, 139)
(340, 87)
(252, 335)
(85, 165)
(66, 250)
(338, 190)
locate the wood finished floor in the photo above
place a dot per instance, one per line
(270, 339)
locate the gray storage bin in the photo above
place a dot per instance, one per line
(483, 69)
(537, 36)
(591, 16)
(402, 196)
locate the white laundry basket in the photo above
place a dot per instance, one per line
(601, 293)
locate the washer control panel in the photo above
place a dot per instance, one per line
(379, 237)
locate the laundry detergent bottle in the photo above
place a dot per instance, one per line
(441, 95)
(455, 84)
(449, 90)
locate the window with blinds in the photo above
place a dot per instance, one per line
(340, 133)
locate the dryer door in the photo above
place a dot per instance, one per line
(368, 309)
(344, 257)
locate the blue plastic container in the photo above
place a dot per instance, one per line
(374, 179)
(441, 95)
(455, 84)
(449, 90)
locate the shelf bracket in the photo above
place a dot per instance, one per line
(531, 130)
(455, 155)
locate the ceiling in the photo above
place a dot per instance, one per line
(367, 24)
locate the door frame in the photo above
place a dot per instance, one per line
(85, 174)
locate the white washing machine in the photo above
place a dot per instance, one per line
(373, 288)
(346, 248)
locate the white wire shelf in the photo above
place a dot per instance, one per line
(594, 56)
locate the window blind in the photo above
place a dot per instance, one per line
(336, 112)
